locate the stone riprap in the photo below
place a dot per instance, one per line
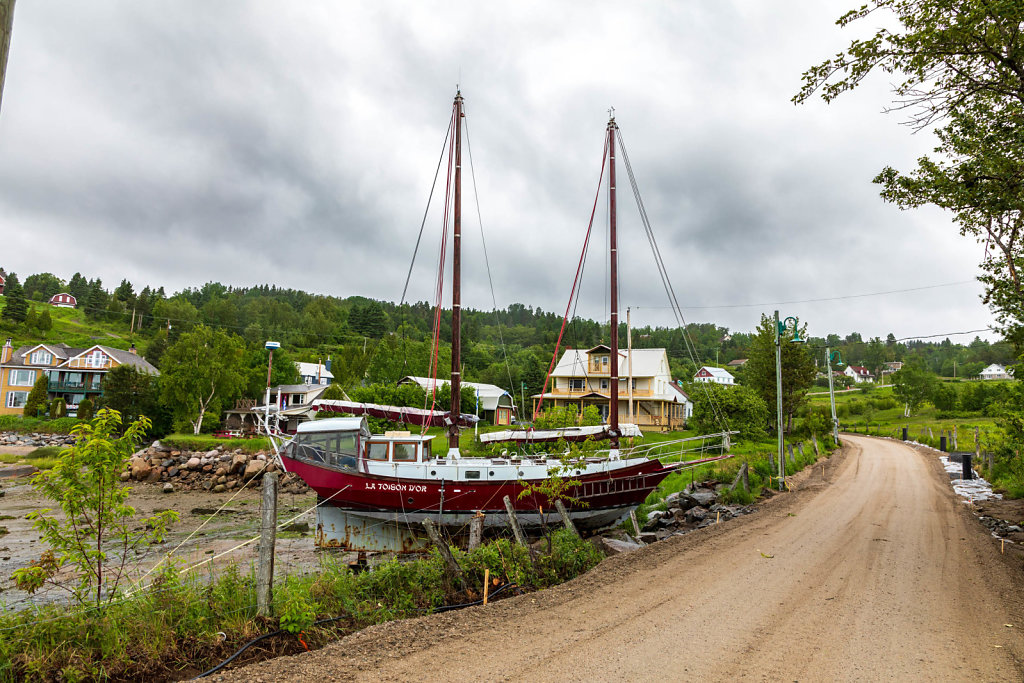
(218, 470)
(35, 439)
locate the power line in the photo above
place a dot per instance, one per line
(827, 298)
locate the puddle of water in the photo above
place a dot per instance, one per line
(971, 490)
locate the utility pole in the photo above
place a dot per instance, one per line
(778, 399)
(832, 395)
(629, 361)
(6, 28)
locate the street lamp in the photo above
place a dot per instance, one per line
(829, 357)
(780, 329)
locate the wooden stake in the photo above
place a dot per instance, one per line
(1002, 546)
(636, 524)
(476, 531)
(566, 519)
(443, 548)
(718, 517)
(514, 522)
(268, 538)
(487, 582)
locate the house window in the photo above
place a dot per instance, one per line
(575, 384)
(16, 399)
(21, 378)
(634, 384)
(96, 359)
(604, 361)
(41, 357)
(604, 384)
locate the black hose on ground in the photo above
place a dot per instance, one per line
(443, 608)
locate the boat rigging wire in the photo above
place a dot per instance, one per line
(575, 283)
(487, 261)
(666, 282)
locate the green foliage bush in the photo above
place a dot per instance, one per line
(741, 407)
(85, 409)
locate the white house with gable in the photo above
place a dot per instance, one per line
(496, 405)
(995, 371)
(714, 376)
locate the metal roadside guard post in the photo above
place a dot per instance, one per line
(780, 329)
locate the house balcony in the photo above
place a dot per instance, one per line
(74, 387)
(561, 392)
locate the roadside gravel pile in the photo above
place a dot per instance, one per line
(217, 470)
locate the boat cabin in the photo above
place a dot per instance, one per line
(340, 442)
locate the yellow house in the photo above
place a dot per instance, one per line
(74, 373)
(582, 378)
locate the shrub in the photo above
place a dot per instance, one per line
(58, 409)
(85, 409)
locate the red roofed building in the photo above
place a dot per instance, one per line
(63, 300)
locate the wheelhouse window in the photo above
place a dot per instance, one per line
(334, 449)
(405, 452)
(376, 451)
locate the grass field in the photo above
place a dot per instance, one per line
(71, 327)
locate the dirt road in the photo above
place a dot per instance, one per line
(870, 570)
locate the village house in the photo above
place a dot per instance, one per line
(74, 374)
(714, 375)
(3, 280)
(738, 363)
(63, 300)
(996, 371)
(582, 378)
(496, 405)
(858, 373)
(315, 373)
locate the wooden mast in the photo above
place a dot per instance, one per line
(456, 380)
(613, 402)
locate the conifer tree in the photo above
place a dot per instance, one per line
(15, 306)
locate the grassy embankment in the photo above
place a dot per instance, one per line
(182, 625)
(71, 327)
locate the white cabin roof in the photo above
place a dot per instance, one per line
(334, 424)
(489, 393)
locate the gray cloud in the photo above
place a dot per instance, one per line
(176, 143)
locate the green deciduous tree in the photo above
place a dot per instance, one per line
(740, 407)
(41, 286)
(961, 69)
(98, 532)
(201, 371)
(130, 392)
(913, 384)
(797, 369)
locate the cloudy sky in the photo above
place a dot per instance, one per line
(175, 143)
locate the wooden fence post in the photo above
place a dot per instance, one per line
(789, 448)
(800, 447)
(566, 519)
(742, 477)
(814, 442)
(476, 531)
(636, 524)
(442, 547)
(514, 522)
(268, 538)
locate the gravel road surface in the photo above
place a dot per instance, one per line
(870, 570)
